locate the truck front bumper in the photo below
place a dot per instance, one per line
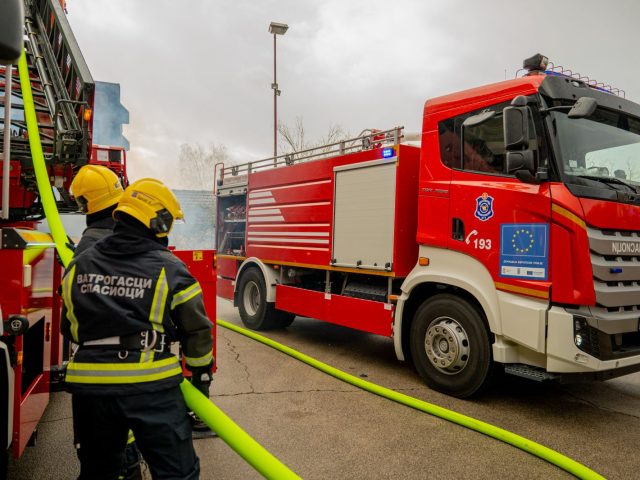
(574, 346)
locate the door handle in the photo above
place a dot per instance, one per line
(457, 229)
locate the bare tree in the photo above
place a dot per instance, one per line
(294, 138)
(625, 168)
(197, 164)
(633, 169)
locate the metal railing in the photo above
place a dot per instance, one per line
(565, 72)
(366, 140)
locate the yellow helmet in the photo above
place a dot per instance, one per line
(95, 188)
(151, 202)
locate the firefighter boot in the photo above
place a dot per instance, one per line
(201, 379)
(200, 429)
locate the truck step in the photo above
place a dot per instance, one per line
(532, 373)
(377, 293)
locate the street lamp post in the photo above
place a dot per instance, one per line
(276, 29)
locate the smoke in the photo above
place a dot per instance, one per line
(197, 231)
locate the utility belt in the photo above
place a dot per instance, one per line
(145, 341)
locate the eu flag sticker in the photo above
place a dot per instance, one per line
(524, 250)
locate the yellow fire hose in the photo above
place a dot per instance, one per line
(545, 453)
(265, 463)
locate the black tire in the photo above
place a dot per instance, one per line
(284, 319)
(256, 313)
(451, 347)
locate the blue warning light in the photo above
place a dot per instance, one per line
(388, 152)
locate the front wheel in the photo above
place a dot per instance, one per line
(255, 311)
(450, 346)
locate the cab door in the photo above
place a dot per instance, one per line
(495, 218)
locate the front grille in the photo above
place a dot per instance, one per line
(615, 258)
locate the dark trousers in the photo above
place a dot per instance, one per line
(159, 421)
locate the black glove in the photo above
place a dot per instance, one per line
(201, 378)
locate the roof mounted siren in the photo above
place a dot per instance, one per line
(536, 64)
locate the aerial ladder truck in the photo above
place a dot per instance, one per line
(31, 348)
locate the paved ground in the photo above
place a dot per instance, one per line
(325, 429)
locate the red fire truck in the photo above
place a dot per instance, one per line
(510, 238)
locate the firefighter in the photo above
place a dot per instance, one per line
(97, 190)
(126, 299)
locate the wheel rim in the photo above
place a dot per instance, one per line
(251, 298)
(447, 345)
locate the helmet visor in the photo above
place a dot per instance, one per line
(162, 223)
(83, 204)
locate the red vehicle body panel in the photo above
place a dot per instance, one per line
(225, 286)
(33, 349)
(610, 215)
(101, 155)
(227, 273)
(365, 315)
(202, 265)
(571, 274)
(299, 200)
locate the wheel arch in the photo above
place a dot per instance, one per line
(447, 272)
(269, 273)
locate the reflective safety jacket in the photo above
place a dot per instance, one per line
(128, 283)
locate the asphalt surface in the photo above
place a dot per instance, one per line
(325, 429)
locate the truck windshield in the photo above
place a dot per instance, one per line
(600, 152)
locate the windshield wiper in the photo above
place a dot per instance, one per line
(609, 180)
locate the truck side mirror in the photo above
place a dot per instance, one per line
(522, 160)
(516, 128)
(11, 25)
(523, 165)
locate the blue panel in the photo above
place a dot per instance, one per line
(524, 250)
(108, 116)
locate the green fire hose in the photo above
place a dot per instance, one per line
(517, 441)
(42, 176)
(265, 463)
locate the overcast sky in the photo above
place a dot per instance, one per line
(200, 71)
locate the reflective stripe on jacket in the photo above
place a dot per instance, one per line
(110, 292)
(122, 372)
